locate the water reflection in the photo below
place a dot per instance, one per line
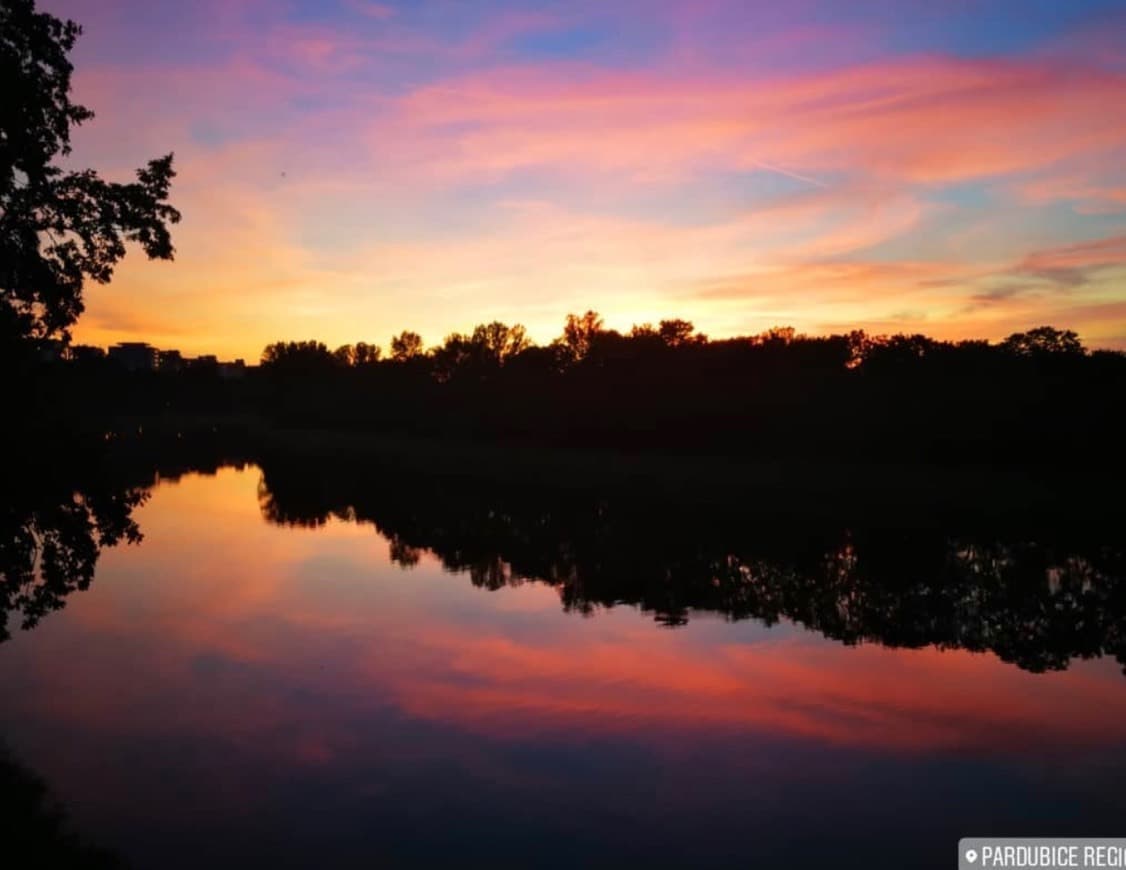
(306, 692)
(50, 546)
(1038, 596)
(63, 504)
(34, 827)
(51, 535)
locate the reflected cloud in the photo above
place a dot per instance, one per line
(389, 641)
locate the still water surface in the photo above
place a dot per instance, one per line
(234, 692)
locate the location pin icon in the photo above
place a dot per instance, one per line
(971, 856)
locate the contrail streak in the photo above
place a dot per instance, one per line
(788, 173)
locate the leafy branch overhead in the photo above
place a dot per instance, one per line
(59, 228)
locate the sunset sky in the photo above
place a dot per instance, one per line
(349, 169)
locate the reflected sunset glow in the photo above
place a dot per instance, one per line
(272, 611)
(299, 683)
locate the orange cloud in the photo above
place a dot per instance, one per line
(334, 220)
(1080, 256)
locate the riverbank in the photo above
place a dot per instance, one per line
(893, 489)
(760, 485)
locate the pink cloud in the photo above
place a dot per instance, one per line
(866, 144)
(1082, 255)
(1089, 193)
(928, 120)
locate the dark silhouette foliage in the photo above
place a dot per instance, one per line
(580, 333)
(406, 345)
(59, 229)
(1038, 586)
(35, 827)
(1037, 400)
(1036, 590)
(50, 545)
(72, 496)
(304, 358)
(1043, 341)
(1038, 397)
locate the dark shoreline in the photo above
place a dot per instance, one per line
(894, 491)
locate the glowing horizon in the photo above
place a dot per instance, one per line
(351, 169)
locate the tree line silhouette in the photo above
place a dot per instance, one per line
(1037, 395)
(1037, 398)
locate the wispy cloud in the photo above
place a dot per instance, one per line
(356, 170)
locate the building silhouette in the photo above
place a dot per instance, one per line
(170, 361)
(139, 356)
(135, 356)
(85, 353)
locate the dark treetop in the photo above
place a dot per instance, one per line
(59, 228)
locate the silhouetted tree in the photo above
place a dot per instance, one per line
(677, 333)
(480, 354)
(302, 358)
(499, 341)
(59, 229)
(579, 332)
(456, 354)
(51, 534)
(897, 351)
(1043, 340)
(541, 361)
(405, 346)
(402, 554)
(365, 354)
(344, 355)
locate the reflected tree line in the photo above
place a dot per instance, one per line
(1037, 595)
(1038, 591)
(50, 540)
(64, 503)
